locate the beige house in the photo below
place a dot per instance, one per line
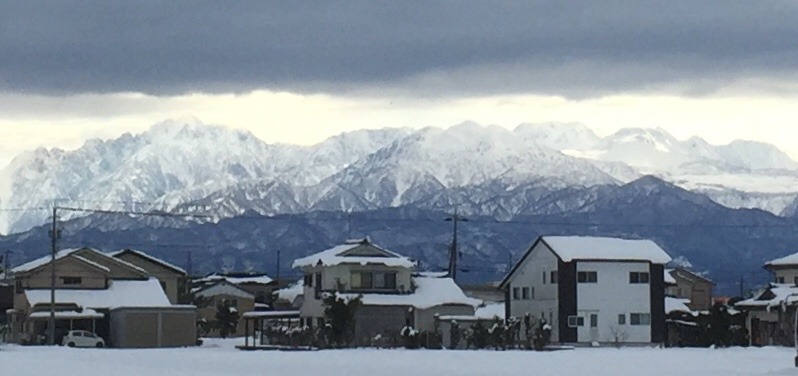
(222, 293)
(684, 284)
(260, 285)
(391, 295)
(784, 270)
(89, 287)
(169, 275)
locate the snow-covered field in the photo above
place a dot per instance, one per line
(219, 358)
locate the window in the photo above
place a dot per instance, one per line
(640, 319)
(19, 287)
(372, 280)
(532, 293)
(554, 277)
(320, 322)
(575, 321)
(71, 280)
(795, 280)
(622, 319)
(779, 279)
(308, 280)
(525, 293)
(318, 282)
(544, 277)
(587, 277)
(516, 293)
(638, 277)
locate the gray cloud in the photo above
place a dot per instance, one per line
(573, 48)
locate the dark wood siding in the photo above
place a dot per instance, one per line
(657, 283)
(567, 299)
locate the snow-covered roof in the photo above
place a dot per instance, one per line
(338, 255)
(773, 296)
(151, 258)
(271, 314)
(669, 280)
(430, 292)
(260, 279)
(784, 261)
(570, 248)
(489, 311)
(224, 287)
(26, 267)
(32, 265)
(290, 293)
(85, 314)
(678, 305)
(120, 293)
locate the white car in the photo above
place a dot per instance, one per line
(82, 338)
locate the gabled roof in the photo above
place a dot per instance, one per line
(569, 248)
(357, 251)
(39, 262)
(773, 296)
(224, 287)
(74, 253)
(690, 275)
(591, 248)
(789, 260)
(150, 258)
(135, 293)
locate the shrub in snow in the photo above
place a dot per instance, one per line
(542, 335)
(454, 334)
(477, 336)
(410, 337)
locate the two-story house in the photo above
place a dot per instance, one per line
(690, 286)
(170, 277)
(95, 291)
(771, 311)
(784, 269)
(591, 289)
(391, 295)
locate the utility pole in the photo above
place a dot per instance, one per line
(453, 254)
(278, 269)
(188, 263)
(55, 233)
(6, 271)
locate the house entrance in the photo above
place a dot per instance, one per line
(594, 332)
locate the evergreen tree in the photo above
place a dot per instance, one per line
(340, 315)
(226, 319)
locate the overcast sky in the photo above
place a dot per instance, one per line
(299, 72)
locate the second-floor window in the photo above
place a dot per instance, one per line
(638, 277)
(71, 280)
(587, 277)
(373, 280)
(554, 277)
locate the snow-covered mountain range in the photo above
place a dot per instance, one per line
(485, 170)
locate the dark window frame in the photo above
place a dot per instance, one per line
(587, 277)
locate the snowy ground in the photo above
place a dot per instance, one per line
(219, 358)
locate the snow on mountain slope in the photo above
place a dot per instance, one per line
(558, 136)
(465, 154)
(188, 166)
(173, 163)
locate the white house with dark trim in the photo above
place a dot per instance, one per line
(591, 289)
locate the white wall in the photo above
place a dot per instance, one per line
(789, 274)
(530, 274)
(611, 296)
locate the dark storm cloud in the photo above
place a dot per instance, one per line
(575, 48)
